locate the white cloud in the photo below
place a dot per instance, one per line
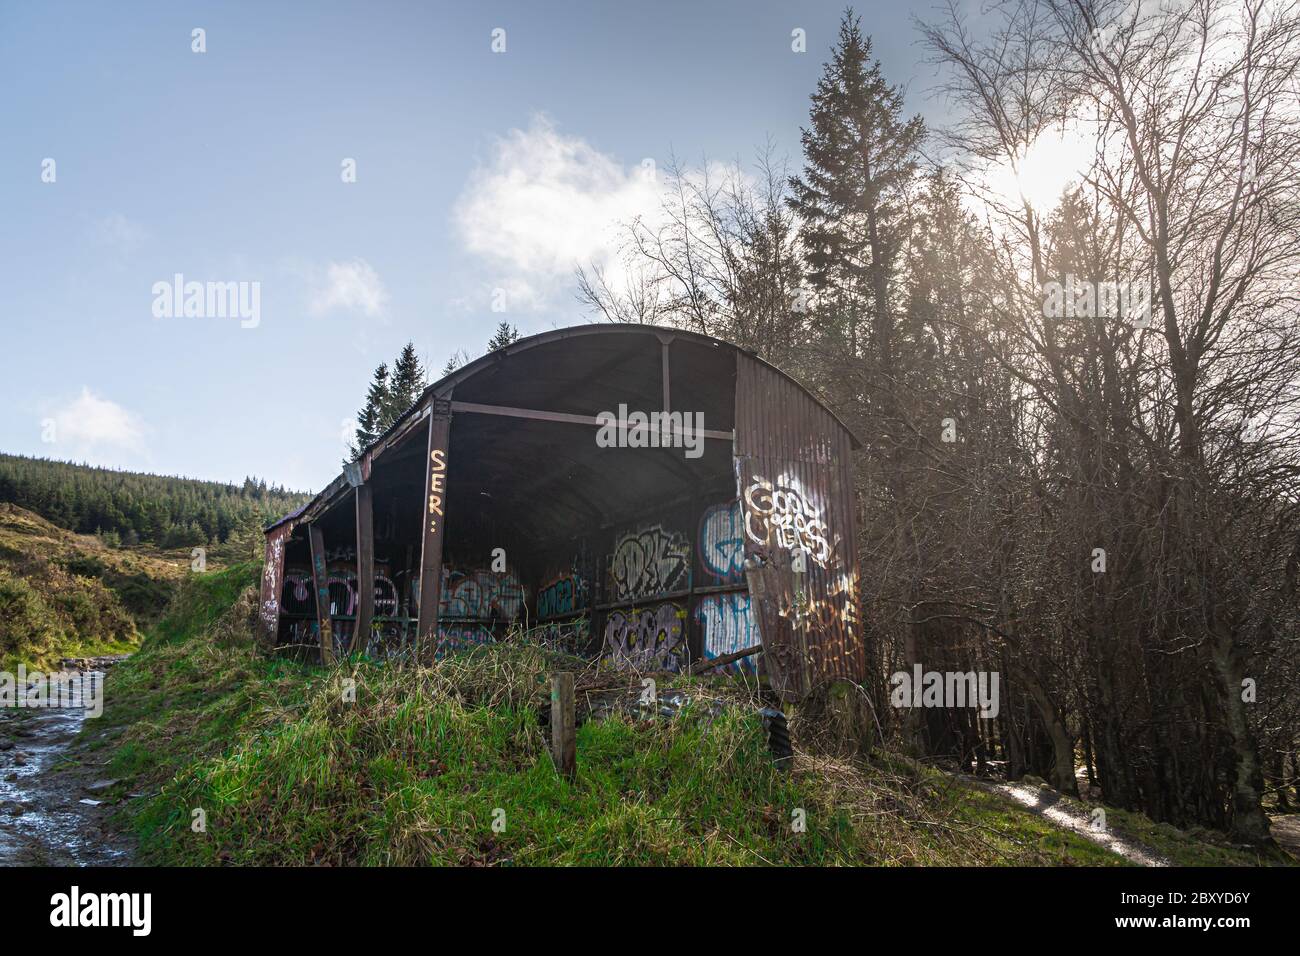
(545, 204)
(351, 286)
(88, 424)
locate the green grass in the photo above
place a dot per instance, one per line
(419, 767)
(364, 764)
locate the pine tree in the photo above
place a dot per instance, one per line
(506, 334)
(368, 418)
(860, 156)
(406, 385)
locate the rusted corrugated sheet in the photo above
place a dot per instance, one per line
(795, 476)
(272, 577)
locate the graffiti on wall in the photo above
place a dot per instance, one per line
(778, 514)
(812, 614)
(650, 638)
(482, 594)
(295, 593)
(649, 561)
(722, 543)
(566, 594)
(343, 591)
(270, 610)
(728, 626)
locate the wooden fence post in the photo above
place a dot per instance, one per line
(563, 743)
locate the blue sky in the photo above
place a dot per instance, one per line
(475, 171)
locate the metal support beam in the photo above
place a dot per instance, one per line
(365, 568)
(435, 507)
(320, 581)
(560, 417)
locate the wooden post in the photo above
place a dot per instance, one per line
(564, 748)
(320, 580)
(435, 506)
(365, 569)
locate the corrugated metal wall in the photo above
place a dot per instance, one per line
(277, 540)
(794, 471)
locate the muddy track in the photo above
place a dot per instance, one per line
(54, 800)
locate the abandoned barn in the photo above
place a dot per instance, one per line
(650, 495)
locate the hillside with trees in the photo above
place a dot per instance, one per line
(130, 508)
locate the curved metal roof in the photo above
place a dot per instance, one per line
(613, 328)
(582, 370)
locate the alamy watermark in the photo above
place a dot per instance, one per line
(1083, 299)
(208, 300)
(59, 690)
(652, 430)
(923, 688)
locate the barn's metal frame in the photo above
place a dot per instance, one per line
(502, 453)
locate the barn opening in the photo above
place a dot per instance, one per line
(495, 507)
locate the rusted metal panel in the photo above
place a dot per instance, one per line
(794, 474)
(365, 568)
(435, 486)
(320, 582)
(272, 578)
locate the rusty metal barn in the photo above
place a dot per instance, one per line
(491, 505)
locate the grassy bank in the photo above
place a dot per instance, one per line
(448, 764)
(288, 768)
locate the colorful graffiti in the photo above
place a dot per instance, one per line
(295, 594)
(651, 638)
(649, 561)
(780, 515)
(722, 543)
(728, 626)
(482, 594)
(566, 594)
(343, 592)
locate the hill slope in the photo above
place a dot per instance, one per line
(68, 595)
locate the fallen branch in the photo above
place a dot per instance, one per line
(709, 663)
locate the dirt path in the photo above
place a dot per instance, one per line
(52, 809)
(1285, 828)
(1045, 803)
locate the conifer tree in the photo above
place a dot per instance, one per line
(860, 155)
(506, 334)
(405, 386)
(368, 419)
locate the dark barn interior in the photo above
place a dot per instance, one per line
(496, 486)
